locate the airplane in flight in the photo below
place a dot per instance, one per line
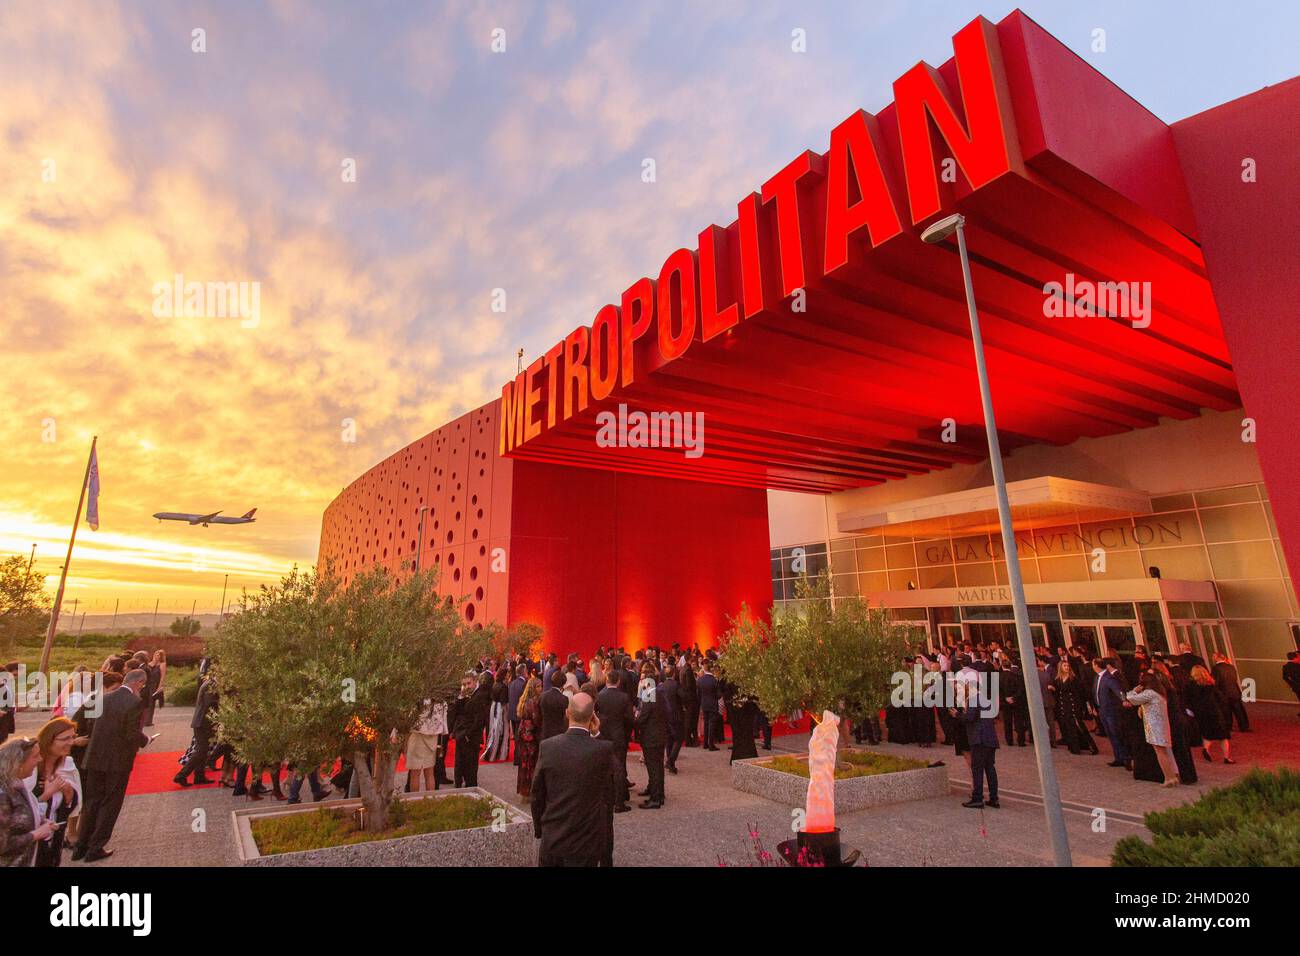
(205, 520)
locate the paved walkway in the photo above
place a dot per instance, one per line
(706, 822)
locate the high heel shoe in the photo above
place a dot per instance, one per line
(1170, 783)
(1206, 754)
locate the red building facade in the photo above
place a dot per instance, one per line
(827, 347)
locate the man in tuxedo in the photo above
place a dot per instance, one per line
(1015, 703)
(573, 792)
(675, 715)
(690, 701)
(652, 732)
(614, 711)
(114, 741)
(470, 722)
(201, 724)
(707, 687)
(554, 706)
(1109, 692)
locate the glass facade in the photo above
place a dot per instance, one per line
(1224, 535)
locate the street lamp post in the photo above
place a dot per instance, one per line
(936, 233)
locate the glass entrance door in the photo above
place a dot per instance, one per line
(1205, 638)
(1103, 638)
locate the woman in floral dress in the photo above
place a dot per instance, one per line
(529, 740)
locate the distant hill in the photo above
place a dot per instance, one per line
(136, 623)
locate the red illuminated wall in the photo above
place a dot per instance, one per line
(603, 557)
(1251, 241)
(594, 557)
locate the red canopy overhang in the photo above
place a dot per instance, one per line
(858, 387)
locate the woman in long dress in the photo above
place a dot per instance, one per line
(1213, 718)
(1070, 711)
(498, 741)
(1151, 696)
(1184, 734)
(530, 735)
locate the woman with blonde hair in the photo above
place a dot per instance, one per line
(1150, 695)
(1210, 708)
(22, 828)
(529, 740)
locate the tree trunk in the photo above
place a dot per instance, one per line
(376, 788)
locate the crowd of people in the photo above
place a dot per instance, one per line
(64, 788)
(545, 715)
(1153, 710)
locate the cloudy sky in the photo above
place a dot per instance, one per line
(128, 157)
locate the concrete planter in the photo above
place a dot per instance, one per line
(855, 793)
(510, 845)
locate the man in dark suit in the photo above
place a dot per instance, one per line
(1015, 703)
(471, 720)
(614, 711)
(554, 706)
(690, 702)
(675, 713)
(114, 741)
(707, 686)
(982, 734)
(201, 724)
(652, 732)
(1109, 692)
(1291, 673)
(573, 792)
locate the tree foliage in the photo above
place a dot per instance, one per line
(24, 605)
(185, 626)
(813, 656)
(308, 670)
(522, 637)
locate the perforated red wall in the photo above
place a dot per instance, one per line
(594, 557)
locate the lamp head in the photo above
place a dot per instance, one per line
(941, 230)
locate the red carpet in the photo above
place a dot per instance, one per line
(154, 770)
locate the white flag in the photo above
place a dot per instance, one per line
(92, 506)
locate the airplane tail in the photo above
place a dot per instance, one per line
(251, 513)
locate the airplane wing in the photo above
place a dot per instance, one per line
(203, 519)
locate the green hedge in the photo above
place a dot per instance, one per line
(1254, 822)
(185, 693)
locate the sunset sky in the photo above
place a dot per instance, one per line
(128, 158)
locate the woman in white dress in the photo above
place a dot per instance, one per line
(1150, 696)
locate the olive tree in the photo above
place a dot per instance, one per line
(309, 670)
(815, 656)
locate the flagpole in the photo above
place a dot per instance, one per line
(63, 578)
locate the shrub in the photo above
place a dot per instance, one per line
(180, 650)
(1254, 822)
(185, 693)
(850, 763)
